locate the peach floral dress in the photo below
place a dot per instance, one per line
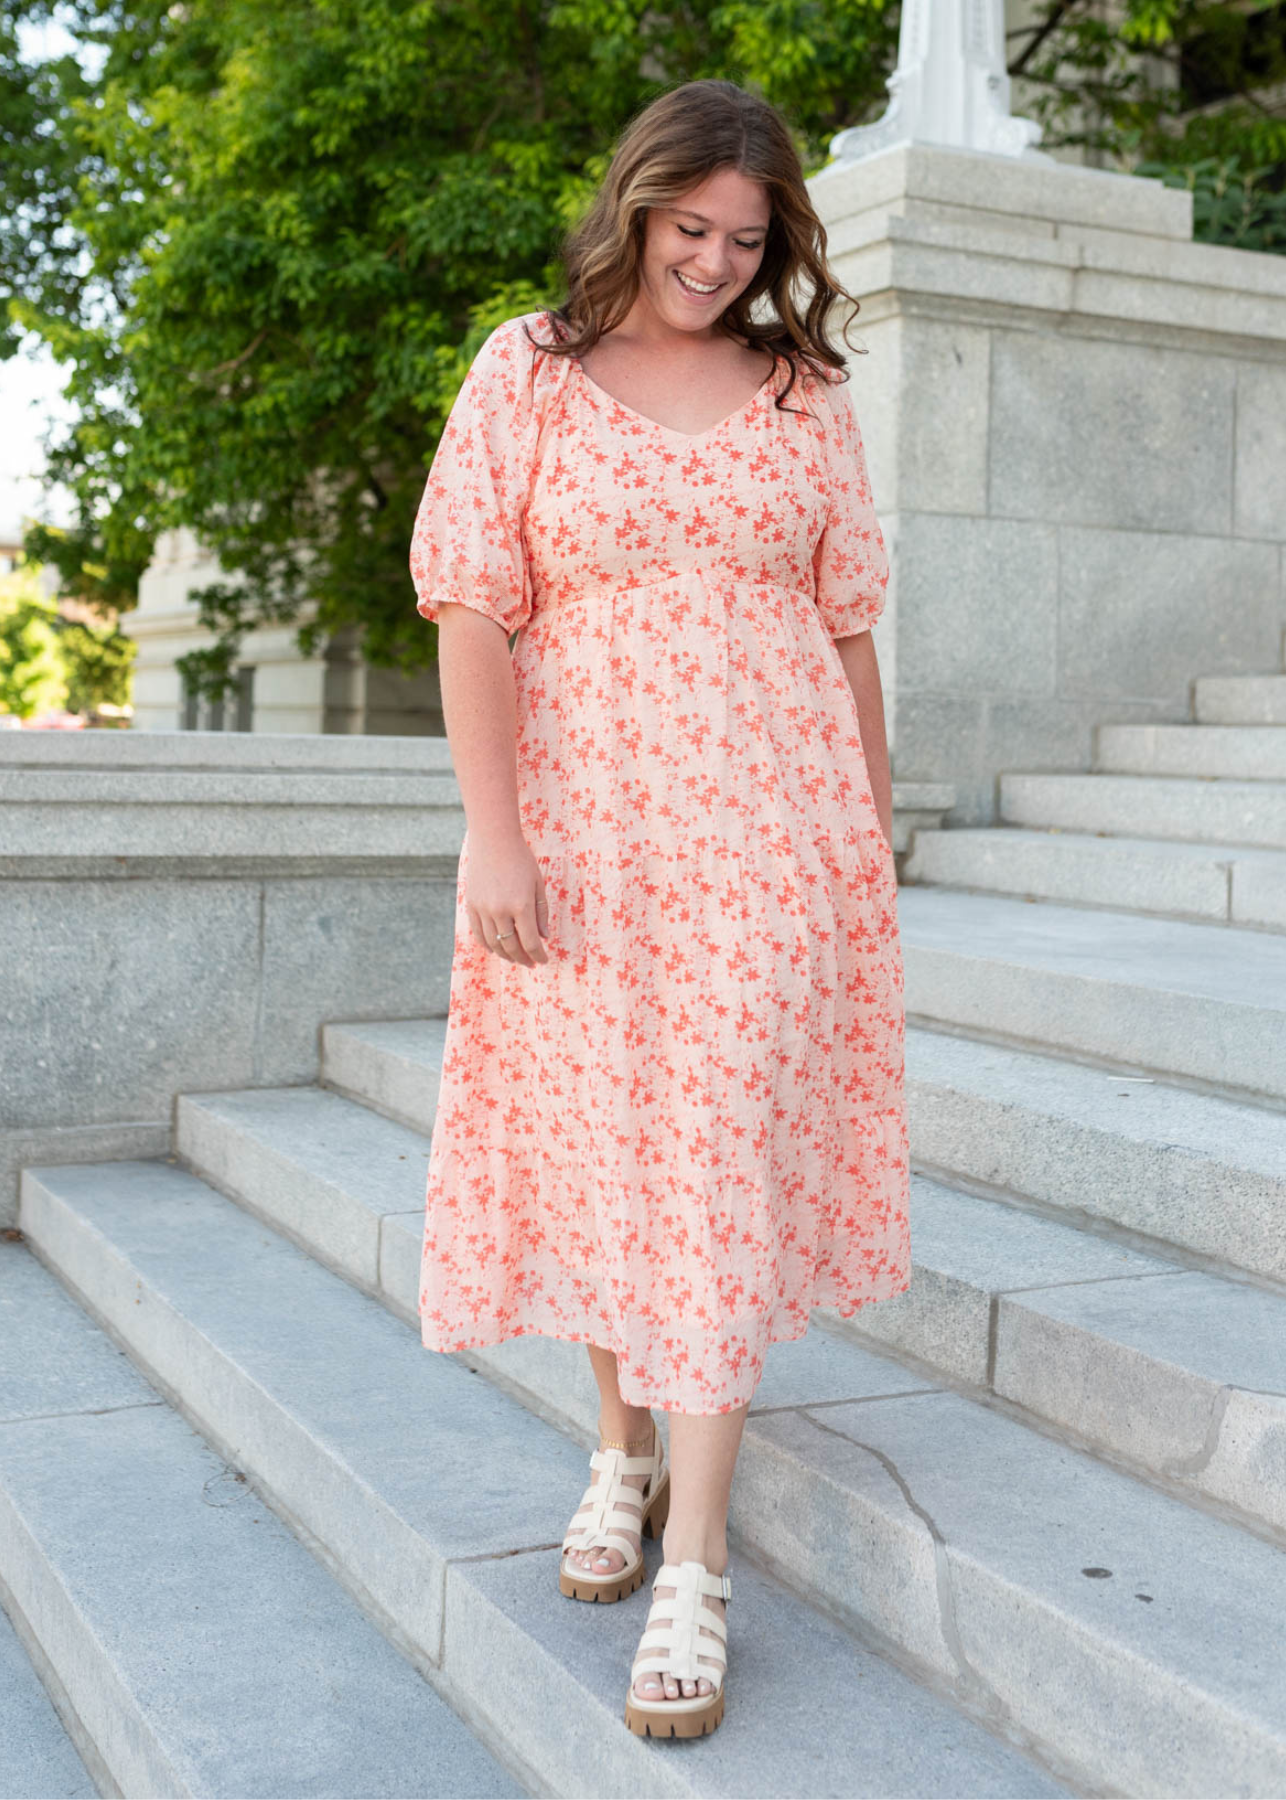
(687, 1128)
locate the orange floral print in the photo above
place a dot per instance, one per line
(687, 1128)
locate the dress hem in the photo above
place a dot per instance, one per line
(643, 1397)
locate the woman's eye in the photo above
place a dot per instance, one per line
(689, 232)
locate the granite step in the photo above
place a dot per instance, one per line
(394, 1066)
(1240, 699)
(38, 1760)
(1231, 752)
(1135, 1638)
(1189, 810)
(181, 1623)
(227, 813)
(439, 1501)
(1216, 883)
(1206, 1003)
(1177, 1170)
(1174, 1372)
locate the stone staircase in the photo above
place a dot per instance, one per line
(1020, 1531)
(1188, 821)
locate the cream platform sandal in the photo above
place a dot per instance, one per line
(603, 1525)
(671, 1644)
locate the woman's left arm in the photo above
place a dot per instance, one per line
(857, 653)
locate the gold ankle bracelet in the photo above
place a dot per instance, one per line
(627, 1443)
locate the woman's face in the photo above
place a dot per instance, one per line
(704, 249)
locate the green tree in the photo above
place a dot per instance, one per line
(98, 664)
(48, 661)
(32, 676)
(1174, 89)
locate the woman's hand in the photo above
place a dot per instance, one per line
(857, 654)
(505, 893)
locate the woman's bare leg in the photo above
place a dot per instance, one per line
(621, 1422)
(703, 1455)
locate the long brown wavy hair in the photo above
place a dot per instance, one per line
(669, 148)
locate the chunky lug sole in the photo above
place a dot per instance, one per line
(613, 1520)
(670, 1721)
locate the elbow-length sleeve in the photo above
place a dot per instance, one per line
(467, 545)
(850, 562)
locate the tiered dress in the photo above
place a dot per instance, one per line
(687, 1128)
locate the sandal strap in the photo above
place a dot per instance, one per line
(673, 1642)
(625, 1465)
(608, 1517)
(672, 1575)
(602, 1540)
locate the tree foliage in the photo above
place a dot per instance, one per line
(48, 661)
(32, 678)
(1178, 89)
(266, 240)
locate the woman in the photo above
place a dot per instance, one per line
(671, 1114)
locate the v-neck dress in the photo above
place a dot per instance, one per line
(687, 1128)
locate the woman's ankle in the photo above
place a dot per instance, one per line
(631, 1425)
(709, 1548)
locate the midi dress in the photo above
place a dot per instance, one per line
(687, 1128)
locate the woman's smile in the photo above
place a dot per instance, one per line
(695, 290)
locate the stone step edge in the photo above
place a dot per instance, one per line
(1002, 992)
(1189, 881)
(79, 1736)
(117, 1691)
(1060, 1431)
(1085, 1059)
(1183, 1257)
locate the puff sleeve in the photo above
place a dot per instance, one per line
(850, 561)
(467, 545)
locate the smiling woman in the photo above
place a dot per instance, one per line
(671, 1119)
(694, 265)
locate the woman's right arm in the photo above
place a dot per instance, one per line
(480, 711)
(471, 579)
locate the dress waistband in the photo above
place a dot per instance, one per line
(553, 597)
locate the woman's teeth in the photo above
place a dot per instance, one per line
(699, 289)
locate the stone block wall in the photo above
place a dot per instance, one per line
(1075, 420)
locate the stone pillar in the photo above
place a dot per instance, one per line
(1075, 419)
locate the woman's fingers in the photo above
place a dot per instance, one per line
(506, 902)
(524, 943)
(476, 932)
